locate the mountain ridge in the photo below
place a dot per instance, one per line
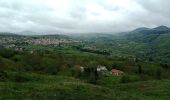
(158, 30)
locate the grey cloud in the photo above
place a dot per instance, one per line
(21, 15)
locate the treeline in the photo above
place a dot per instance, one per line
(104, 52)
(101, 52)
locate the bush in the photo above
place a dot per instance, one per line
(125, 79)
(20, 78)
(3, 76)
(17, 58)
(1, 63)
(7, 53)
(158, 73)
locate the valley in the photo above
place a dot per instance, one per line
(44, 67)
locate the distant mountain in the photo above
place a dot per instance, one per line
(161, 28)
(143, 42)
(147, 35)
(28, 33)
(7, 34)
(55, 36)
(156, 30)
(141, 29)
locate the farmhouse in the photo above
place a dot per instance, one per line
(79, 67)
(101, 68)
(116, 72)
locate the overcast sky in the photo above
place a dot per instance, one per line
(82, 16)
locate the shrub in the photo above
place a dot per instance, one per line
(19, 78)
(3, 76)
(158, 73)
(1, 63)
(7, 53)
(125, 79)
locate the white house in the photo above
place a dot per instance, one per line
(101, 68)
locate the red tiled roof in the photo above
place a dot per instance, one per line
(116, 71)
(77, 66)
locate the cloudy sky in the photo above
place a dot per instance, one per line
(82, 16)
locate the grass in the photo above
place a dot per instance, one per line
(49, 87)
(52, 87)
(153, 90)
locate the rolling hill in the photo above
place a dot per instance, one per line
(142, 42)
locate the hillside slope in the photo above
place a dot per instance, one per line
(47, 87)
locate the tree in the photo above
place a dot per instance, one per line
(91, 72)
(93, 75)
(7, 53)
(139, 69)
(158, 73)
(125, 79)
(165, 66)
(1, 64)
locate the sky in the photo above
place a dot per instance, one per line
(82, 16)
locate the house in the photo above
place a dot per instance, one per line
(81, 68)
(31, 52)
(101, 68)
(19, 49)
(116, 72)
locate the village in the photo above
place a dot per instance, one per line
(102, 70)
(19, 44)
(48, 41)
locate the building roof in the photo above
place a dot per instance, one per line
(117, 71)
(101, 68)
(77, 66)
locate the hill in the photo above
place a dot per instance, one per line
(44, 67)
(142, 42)
(47, 87)
(147, 35)
(156, 41)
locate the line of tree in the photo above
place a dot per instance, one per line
(102, 52)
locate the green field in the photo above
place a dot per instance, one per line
(33, 86)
